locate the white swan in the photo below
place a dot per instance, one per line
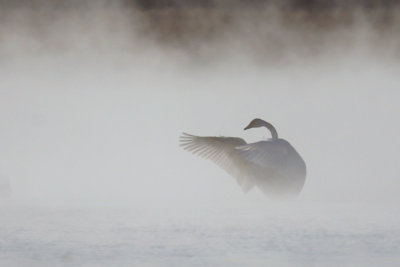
(273, 165)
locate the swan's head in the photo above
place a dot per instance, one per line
(260, 123)
(255, 123)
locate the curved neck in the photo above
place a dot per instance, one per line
(272, 129)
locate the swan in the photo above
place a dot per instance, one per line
(272, 165)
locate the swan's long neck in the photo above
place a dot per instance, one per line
(272, 129)
(259, 123)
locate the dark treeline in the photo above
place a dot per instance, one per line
(307, 4)
(155, 4)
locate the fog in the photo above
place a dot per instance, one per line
(94, 98)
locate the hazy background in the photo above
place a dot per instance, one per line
(94, 97)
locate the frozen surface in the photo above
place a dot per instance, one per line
(301, 234)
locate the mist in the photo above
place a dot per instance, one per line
(95, 96)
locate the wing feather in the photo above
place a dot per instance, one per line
(222, 151)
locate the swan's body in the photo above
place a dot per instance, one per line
(273, 165)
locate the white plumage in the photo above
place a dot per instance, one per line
(273, 165)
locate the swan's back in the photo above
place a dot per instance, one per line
(277, 168)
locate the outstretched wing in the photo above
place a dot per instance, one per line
(222, 151)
